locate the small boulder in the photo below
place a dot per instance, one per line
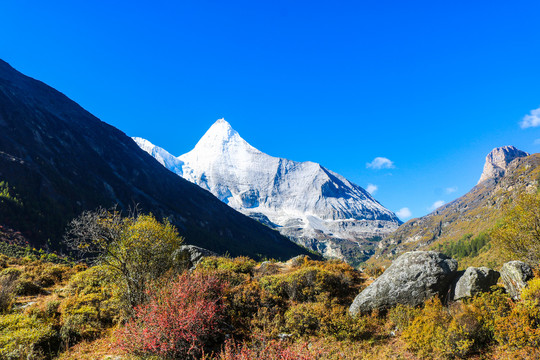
(297, 260)
(268, 268)
(515, 275)
(473, 281)
(188, 256)
(412, 278)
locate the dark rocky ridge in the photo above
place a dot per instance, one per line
(62, 160)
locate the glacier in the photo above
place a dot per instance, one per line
(310, 204)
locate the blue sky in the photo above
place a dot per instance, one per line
(432, 86)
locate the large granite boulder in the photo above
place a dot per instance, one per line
(188, 256)
(473, 281)
(412, 278)
(515, 275)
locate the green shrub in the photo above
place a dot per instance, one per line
(93, 305)
(11, 272)
(46, 274)
(326, 320)
(316, 281)
(303, 319)
(241, 264)
(26, 337)
(26, 287)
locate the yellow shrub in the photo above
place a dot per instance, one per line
(521, 328)
(26, 337)
(314, 281)
(532, 291)
(241, 264)
(435, 333)
(326, 320)
(488, 307)
(92, 306)
(401, 316)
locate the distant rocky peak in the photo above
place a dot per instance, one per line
(497, 161)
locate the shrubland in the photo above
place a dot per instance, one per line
(135, 300)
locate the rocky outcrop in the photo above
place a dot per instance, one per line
(497, 162)
(515, 275)
(188, 256)
(412, 278)
(473, 281)
(473, 213)
(297, 260)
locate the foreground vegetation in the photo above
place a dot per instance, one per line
(235, 308)
(138, 300)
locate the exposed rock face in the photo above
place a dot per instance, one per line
(304, 201)
(515, 275)
(412, 278)
(475, 212)
(497, 161)
(474, 281)
(189, 256)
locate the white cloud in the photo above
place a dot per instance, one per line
(404, 213)
(450, 190)
(437, 204)
(531, 120)
(372, 188)
(380, 163)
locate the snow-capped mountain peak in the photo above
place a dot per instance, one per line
(219, 137)
(303, 200)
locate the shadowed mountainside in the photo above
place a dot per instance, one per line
(56, 160)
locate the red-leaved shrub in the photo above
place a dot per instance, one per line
(180, 321)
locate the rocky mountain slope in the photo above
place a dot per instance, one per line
(507, 172)
(498, 160)
(56, 160)
(303, 200)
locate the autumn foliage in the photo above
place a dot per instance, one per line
(180, 320)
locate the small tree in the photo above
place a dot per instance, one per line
(138, 248)
(518, 234)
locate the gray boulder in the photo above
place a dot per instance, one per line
(188, 256)
(473, 281)
(297, 260)
(412, 278)
(515, 275)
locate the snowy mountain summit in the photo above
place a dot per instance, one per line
(303, 200)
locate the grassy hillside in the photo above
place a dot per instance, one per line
(465, 218)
